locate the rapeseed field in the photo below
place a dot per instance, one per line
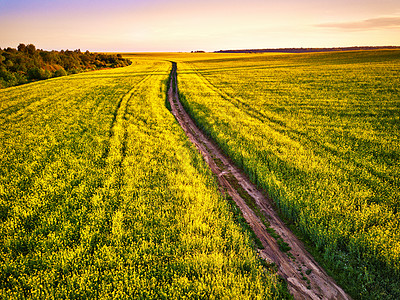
(320, 133)
(103, 196)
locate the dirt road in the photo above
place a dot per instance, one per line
(305, 278)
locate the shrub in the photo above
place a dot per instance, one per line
(35, 73)
(60, 72)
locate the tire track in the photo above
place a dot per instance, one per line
(305, 278)
(106, 199)
(119, 115)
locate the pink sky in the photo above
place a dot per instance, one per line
(161, 25)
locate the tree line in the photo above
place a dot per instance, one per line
(26, 63)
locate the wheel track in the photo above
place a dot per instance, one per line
(119, 116)
(115, 152)
(291, 267)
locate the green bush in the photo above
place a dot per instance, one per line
(35, 73)
(60, 72)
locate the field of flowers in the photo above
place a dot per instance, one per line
(320, 133)
(103, 196)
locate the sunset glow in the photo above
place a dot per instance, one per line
(161, 25)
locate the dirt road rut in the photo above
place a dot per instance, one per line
(305, 278)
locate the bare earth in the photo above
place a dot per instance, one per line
(321, 285)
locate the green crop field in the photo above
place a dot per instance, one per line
(103, 196)
(321, 133)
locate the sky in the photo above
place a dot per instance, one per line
(186, 25)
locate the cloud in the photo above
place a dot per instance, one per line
(369, 24)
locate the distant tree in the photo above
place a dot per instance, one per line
(10, 50)
(31, 49)
(85, 58)
(21, 48)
